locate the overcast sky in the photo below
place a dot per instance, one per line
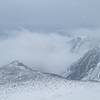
(53, 13)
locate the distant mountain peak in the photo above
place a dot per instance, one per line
(15, 71)
(17, 63)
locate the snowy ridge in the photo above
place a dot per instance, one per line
(87, 68)
(17, 72)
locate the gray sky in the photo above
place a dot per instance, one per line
(53, 13)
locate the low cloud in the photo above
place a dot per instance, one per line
(48, 52)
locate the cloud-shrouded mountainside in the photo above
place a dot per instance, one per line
(52, 67)
(52, 52)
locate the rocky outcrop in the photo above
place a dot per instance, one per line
(86, 67)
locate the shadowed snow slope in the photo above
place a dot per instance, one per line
(87, 68)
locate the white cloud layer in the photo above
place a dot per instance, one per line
(48, 52)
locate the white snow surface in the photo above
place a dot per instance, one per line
(59, 90)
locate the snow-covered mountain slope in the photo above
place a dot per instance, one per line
(87, 67)
(19, 82)
(61, 90)
(77, 43)
(17, 72)
(82, 43)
